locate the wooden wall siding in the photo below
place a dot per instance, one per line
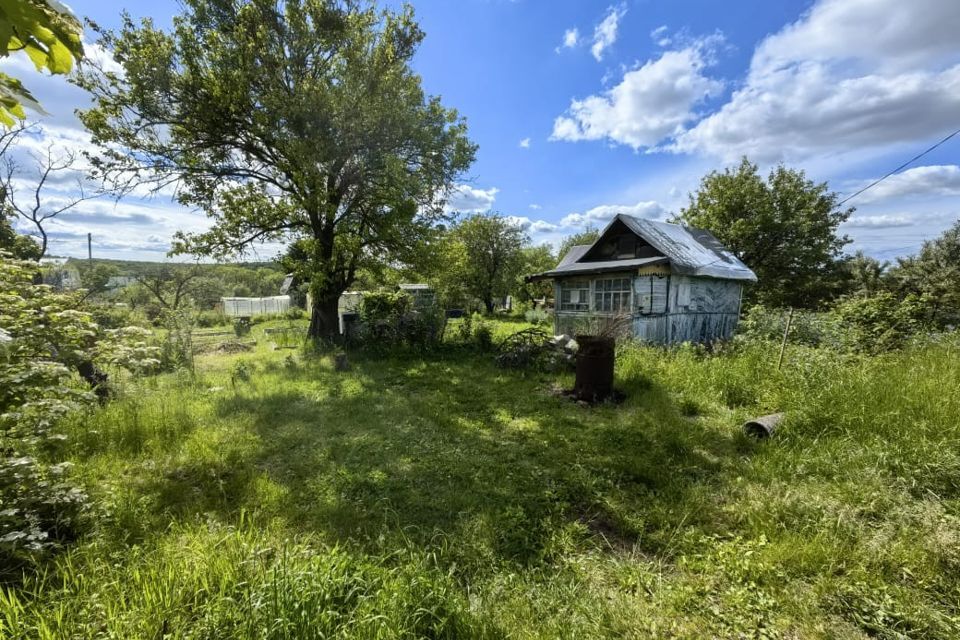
(693, 309)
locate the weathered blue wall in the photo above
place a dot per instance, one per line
(670, 309)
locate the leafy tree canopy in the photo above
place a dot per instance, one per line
(483, 257)
(298, 121)
(784, 228)
(49, 34)
(934, 273)
(587, 236)
(16, 244)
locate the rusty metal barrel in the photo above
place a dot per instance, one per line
(595, 360)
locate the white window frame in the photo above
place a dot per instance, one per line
(615, 298)
(574, 288)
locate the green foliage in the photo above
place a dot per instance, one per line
(207, 319)
(482, 334)
(934, 273)
(17, 245)
(538, 316)
(483, 256)
(536, 259)
(388, 319)
(883, 322)
(866, 275)
(49, 34)
(384, 307)
(784, 228)
(301, 120)
(43, 336)
(176, 346)
(241, 327)
(437, 495)
(587, 236)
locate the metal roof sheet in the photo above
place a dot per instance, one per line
(573, 254)
(598, 267)
(690, 251)
(693, 252)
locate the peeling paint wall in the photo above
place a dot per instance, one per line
(671, 309)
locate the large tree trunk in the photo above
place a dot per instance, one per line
(489, 304)
(324, 319)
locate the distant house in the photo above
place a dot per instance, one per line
(670, 283)
(119, 282)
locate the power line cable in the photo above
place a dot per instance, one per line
(905, 164)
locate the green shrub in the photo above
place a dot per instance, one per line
(176, 346)
(295, 313)
(211, 318)
(115, 316)
(538, 316)
(482, 334)
(241, 327)
(882, 322)
(388, 319)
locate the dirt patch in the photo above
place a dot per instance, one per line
(225, 347)
(617, 397)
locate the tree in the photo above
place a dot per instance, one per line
(34, 203)
(484, 256)
(535, 260)
(934, 273)
(170, 285)
(17, 245)
(49, 34)
(587, 236)
(867, 276)
(297, 121)
(784, 228)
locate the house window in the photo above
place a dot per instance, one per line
(611, 295)
(575, 296)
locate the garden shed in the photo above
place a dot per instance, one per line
(671, 283)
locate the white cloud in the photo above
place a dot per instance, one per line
(883, 221)
(536, 226)
(651, 103)
(535, 207)
(606, 32)
(571, 38)
(525, 143)
(659, 35)
(848, 75)
(602, 214)
(467, 199)
(928, 181)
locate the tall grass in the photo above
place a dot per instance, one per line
(436, 495)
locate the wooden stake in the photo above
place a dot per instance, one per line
(783, 345)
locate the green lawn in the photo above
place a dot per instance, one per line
(269, 496)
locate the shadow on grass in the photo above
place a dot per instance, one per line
(453, 451)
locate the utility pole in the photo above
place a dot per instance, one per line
(90, 247)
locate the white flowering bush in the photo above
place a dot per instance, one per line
(45, 339)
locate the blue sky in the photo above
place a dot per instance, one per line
(584, 109)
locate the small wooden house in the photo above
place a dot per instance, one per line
(673, 283)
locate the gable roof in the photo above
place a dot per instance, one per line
(693, 252)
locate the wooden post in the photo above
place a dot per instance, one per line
(783, 345)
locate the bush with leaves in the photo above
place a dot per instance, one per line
(42, 336)
(45, 338)
(389, 319)
(882, 322)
